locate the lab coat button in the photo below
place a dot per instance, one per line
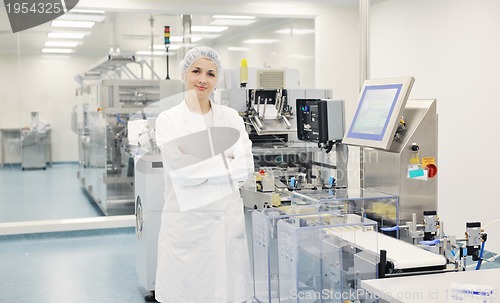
(217, 218)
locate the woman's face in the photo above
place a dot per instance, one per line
(202, 77)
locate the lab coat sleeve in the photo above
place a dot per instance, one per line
(223, 168)
(239, 164)
(172, 156)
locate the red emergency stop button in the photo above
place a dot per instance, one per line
(432, 170)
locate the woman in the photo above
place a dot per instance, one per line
(202, 246)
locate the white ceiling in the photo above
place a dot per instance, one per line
(127, 25)
(132, 18)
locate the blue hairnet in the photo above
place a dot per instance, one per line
(197, 53)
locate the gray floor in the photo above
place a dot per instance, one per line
(54, 193)
(75, 267)
(81, 266)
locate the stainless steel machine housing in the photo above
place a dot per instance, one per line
(387, 171)
(106, 167)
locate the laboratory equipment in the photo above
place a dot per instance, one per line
(379, 110)
(320, 259)
(268, 106)
(435, 287)
(320, 120)
(473, 239)
(399, 140)
(10, 142)
(106, 164)
(403, 169)
(35, 146)
(308, 204)
(299, 257)
(149, 188)
(243, 73)
(261, 78)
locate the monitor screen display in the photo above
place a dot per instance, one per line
(375, 108)
(380, 106)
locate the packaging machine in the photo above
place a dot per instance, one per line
(106, 163)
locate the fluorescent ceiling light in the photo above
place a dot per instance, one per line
(175, 39)
(232, 22)
(186, 45)
(295, 31)
(86, 11)
(58, 50)
(199, 36)
(174, 47)
(260, 41)
(208, 29)
(62, 43)
(237, 49)
(67, 35)
(180, 39)
(233, 17)
(64, 23)
(82, 17)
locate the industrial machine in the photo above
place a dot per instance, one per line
(36, 144)
(399, 140)
(276, 252)
(268, 104)
(312, 237)
(315, 262)
(35, 148)
(149, 187)
(106, 160)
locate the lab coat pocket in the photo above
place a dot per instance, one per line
(237, 217)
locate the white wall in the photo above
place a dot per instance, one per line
(337, 66)
(35, 83)
(451, 47)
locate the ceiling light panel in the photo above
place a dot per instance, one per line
(180, 39)
(260, 41)
(67, 35)
(82, 17)
(175, 39)
(295, 31)
(233, 17)
(62, 43)
(199, 36)
(231, 22)
(58, 50)
(65, 23)
(208, 29)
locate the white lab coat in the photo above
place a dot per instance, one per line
(202, 246)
